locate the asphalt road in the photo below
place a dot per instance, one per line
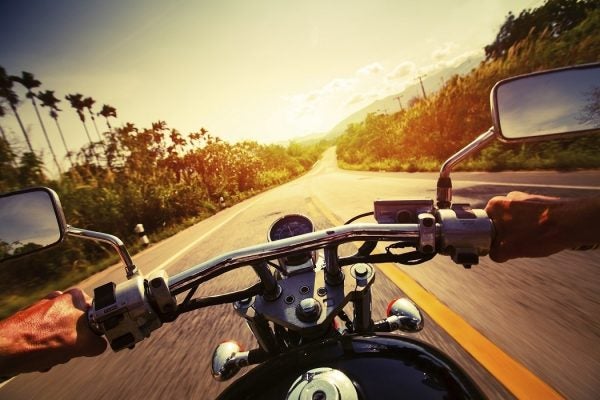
(542, 312)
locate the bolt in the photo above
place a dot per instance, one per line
(308, 305)
(308, 310)
(361, 270)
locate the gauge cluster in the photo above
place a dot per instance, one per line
(289, 226)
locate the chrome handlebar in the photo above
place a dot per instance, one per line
(129, 312)
(311, 241)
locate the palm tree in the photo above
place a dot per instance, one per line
(2, 114)
(11, 97)
(88, 102)
(76, 101)
(29, 82)
(108, 111)
(49, 100)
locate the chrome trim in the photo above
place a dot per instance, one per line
(116, 243)
(481, 141)
(444, 190)
(297, 244)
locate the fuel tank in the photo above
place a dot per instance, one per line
(379, 366)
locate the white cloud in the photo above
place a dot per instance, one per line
(370, 70)
(401, 71)
(357, 98)
(456, 60)
(444, 51)
(338, 85)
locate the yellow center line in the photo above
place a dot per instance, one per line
(517, 379)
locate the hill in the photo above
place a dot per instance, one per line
(430, 130)
(432, 83)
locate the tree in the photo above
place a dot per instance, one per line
(555, 17)
(76, 101)
(11, 97)
(88, 102)
(28, 81)
(2, 114)
(49, 100)
(108, 111)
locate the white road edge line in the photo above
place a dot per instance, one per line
(164, 264)
(529, 185)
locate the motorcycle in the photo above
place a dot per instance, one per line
(309, 347)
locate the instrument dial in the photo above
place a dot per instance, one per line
(289, 226)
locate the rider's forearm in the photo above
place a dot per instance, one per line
(15, 346)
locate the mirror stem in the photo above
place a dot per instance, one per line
(116, 243)
(444, 185)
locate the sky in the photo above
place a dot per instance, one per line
(265, 70)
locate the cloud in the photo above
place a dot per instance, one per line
(402, 70)
(313, 96)
(444, 51)
(456, 60)
(338, 85)
(357, 98)
(370, 70)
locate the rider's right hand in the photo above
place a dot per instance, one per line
(538, 226)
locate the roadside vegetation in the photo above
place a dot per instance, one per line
(124, 176)
(421, 137)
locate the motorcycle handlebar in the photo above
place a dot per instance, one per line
(127, 313)
(330, 237)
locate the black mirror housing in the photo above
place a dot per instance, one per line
(550, 104)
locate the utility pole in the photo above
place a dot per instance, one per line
(399, 102)
(422, 87)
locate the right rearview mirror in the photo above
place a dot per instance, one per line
(550, 103)
(30, 220)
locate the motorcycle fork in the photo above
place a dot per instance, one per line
(362, 311)
(264, 334)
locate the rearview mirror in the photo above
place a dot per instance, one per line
(551, 103)
(30, 220)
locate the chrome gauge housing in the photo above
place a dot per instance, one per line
(288, 226)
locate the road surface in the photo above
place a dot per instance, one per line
(543, 313)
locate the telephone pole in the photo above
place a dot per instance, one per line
(422, 87)
(399, 102)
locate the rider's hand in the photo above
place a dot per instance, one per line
(537, 226)
(50, 332)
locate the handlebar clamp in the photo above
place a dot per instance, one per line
(123, 313)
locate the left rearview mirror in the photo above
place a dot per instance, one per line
(543, 105)
(30, 220)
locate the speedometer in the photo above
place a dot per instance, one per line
(289, 226)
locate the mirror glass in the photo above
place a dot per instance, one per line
(550, 103)
(28, 223)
